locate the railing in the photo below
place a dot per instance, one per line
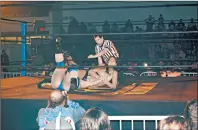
(189, 74)
(17, 74)
(148, 74)
(129, 74)
(155, 74)
(137, 118)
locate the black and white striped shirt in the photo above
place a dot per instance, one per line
(112, 51)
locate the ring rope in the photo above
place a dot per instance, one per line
(133, 33)
(128, 66)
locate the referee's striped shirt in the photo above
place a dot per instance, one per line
(112, 51)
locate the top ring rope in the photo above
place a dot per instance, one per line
(133, 33)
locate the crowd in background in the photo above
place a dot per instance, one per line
(168, 46)
(151, 23)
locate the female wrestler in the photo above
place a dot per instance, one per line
(108, 77)
(64, 75)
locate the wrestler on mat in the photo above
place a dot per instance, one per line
(81, 80)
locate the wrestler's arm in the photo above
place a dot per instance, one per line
(100, 62)
(114, 83)
(101, 53)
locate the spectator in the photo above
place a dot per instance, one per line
(58, 103)
(95, 119)
(149, 23)
(161, 19)
(82, 28)
(190, 114)
(192, 25)
(106, 27)
(181, 54)
(91, 28)
(122, 29)
(138, 29)
(128, 26)
(114, 28)
(161, 26)
(173, 123)
(4, 60)
(181, 25)
(73, 26)
(171, 26)
(157, 50)
(166, 52)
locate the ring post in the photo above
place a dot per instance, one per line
(23, 47)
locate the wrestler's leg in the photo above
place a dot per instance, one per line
(94, 72)
(71, 80)
(82, 74)
(86, 84)
(66, 81)
(59, 72)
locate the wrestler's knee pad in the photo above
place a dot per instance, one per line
(60, 87)
(75, 83)
(59, 58)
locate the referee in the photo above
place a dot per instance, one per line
(104, 49)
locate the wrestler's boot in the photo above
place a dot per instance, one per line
(59, 57)
(46, 80)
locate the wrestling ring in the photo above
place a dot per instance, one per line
(143, 88)
(130, 84)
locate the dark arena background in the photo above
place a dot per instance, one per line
(151, 38)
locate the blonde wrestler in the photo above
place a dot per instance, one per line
(64, 74)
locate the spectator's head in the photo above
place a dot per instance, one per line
(99, 39)
(191, 20)
(57, 99)
(106, 22)
(150, 16)
(95, 119)
(180, 20)
(173, 123)
(190, 114)
(160, 15)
